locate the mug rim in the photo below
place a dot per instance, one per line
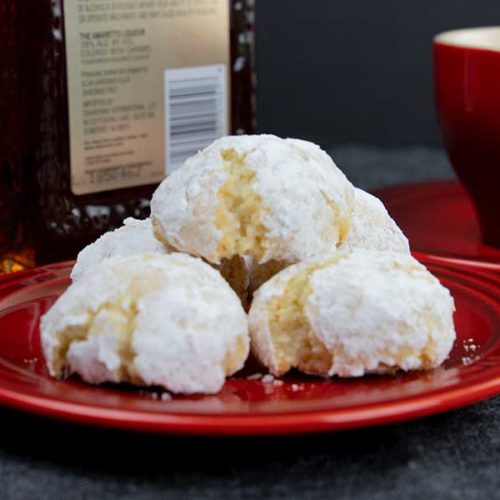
(482, 38)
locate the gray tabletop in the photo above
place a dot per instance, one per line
(454, 455)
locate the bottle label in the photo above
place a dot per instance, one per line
(148, 86)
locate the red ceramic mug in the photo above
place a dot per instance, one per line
(467, 87)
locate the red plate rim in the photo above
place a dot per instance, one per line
(401, 195)
(295, 422)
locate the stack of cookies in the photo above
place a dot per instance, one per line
(252, 223)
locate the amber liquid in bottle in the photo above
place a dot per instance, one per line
(40, 214)
(16, 252)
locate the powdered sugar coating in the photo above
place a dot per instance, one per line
(374, 311)
(381, 311)
(305, 198)
(372, 227)
(135, 236)
(149, 319)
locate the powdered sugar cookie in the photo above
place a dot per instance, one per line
(356, 313)
(148, 319)
(258, 196)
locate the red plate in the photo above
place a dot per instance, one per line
(439, 219)
(246, 407)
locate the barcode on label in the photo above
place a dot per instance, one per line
(195, 111)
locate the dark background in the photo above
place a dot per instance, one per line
(355, 71)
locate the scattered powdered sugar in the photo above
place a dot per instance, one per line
(468, 360)
(469, 347)
(155, 396)
(268, 379)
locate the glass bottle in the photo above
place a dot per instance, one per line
(86, 136)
